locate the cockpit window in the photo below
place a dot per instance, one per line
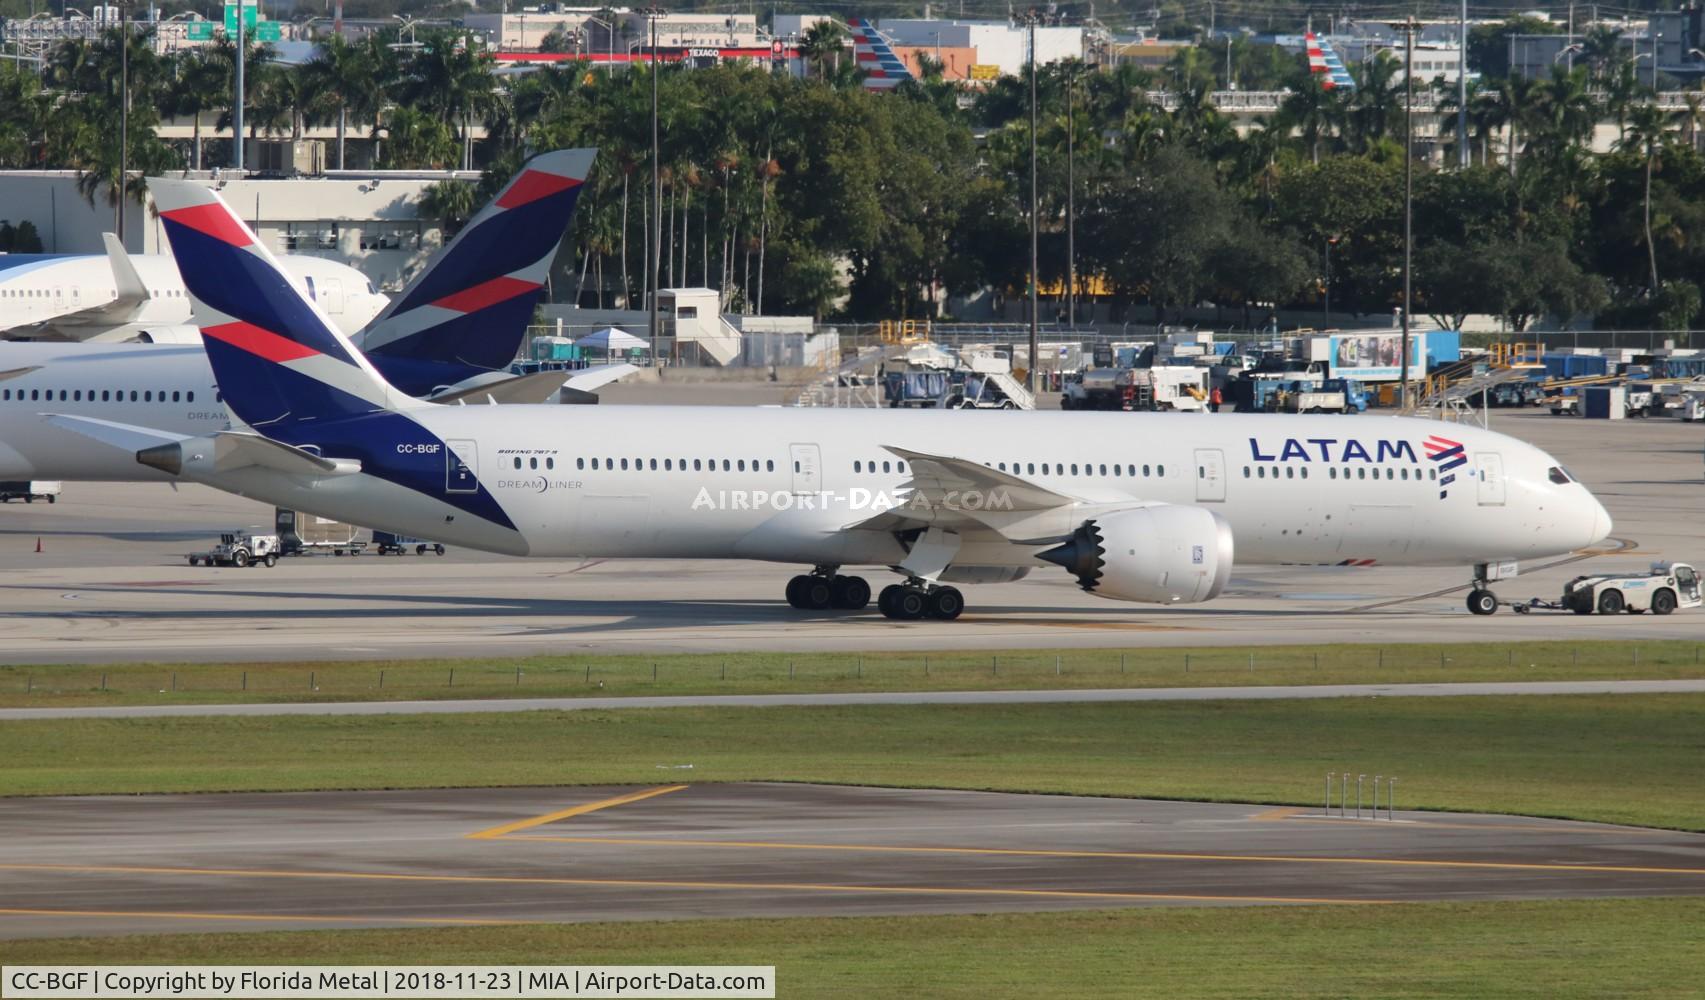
(1559, 475)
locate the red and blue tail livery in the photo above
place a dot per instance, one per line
(883, 70)
(468, 312)
(285, 370)
(1323, 62)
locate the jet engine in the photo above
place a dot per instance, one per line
(184, 334)
(1166, 554)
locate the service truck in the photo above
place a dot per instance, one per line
(239, 549)
(30, 490)
(302, 533)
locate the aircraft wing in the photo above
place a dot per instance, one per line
(124, 437)
(579, 386)
(123, 307)
(16, 372)
(960, 495)
(596, 377)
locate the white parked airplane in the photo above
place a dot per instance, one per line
(1147, 508)
(115, 297)
(450, 335)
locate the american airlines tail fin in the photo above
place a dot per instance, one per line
(884, 70)
(278, 359)
(468, 312)
(1323, 62)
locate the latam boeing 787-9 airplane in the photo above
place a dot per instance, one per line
(1136, 508)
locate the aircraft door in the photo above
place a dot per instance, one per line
(1489, 471)
(1210, 475)
(461, 467)
(331, 296)
(807, 468)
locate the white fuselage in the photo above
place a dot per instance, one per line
(786, 484)
(164, 387)
(49, 290)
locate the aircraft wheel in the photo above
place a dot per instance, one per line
(909, 604)
(1611, 603)
(1482, 602)
(850, 593)
(885, 600)
(815, 594)
(794, 588)
(1663, 602)
(946, 603)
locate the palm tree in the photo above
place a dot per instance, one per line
(1647, 135)
(1689, 118)
(336, 77)
(452, 79)
(1565, 113)
(821, 42)
(1313, 111)
(451, 202)
(1376, 106)
(1622, 90)
(203, 84)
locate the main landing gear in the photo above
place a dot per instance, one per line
(916, 599)
(823, 589)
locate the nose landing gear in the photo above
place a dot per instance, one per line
(1482, 601)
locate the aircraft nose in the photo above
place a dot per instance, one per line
(1601, 523)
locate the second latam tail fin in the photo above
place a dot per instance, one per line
(883, 69)
(277, 358)
(468, 312)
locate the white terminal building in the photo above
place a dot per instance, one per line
(369, 220)
(998, 43)
(620, 30)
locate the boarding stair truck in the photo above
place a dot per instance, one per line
(240, 549)
(390, 543)
(1664, 589)
(30, 490)
(302, 533)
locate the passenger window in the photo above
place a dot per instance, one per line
(1201, 472)
(654, 465)
(77, 396)
(1104, 470)
(1332, 472)
(1305, 472)
(668, 465)
(1391, 473)
(1145, 471)
(1032, 468)
(624, 465)
(532, 463)
(696, 465)
(133, 395)
(857, 466)
(580, 463)
(900, 465)
(1246, 472)
(189, 397)
(148, 396)
(1361, 473)
(1115, 470)
(175, 395)
(770, 465)
(1160, 471)
(1074, 468)
(741, 465)
(1131, 471)
(1002, 466)
(5, 394)
(1290, 472)
(725, 465)
(884, 466)
(1059, 470)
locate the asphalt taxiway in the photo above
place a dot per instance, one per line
(99, 865)
(111, 579)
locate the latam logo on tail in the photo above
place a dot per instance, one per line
(883, 69)
(1450, 455)
(1323, 61)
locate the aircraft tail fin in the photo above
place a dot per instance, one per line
(468, 312)
(884, 70)
(1323, 62)
(278, 359)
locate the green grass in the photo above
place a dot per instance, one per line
(151, 684)
(1616, 758)
(1647, 948)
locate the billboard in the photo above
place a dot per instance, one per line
(985, 71)
(1375, 357)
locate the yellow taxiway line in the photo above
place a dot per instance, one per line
(580, 810)
(1115, 855)
(909, 890)
(172, 915)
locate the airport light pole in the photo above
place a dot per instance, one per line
(652, 14)
(1071, 194)
(1462, 157)
(1408, 26)
(237, 105)
(123, 115)
(1030, 19)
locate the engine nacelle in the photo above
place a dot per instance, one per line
(168, 335)
(1166, 554)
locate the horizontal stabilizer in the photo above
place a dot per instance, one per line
(235, 450)
(125, 437)
(596, 377)
(538, 387)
